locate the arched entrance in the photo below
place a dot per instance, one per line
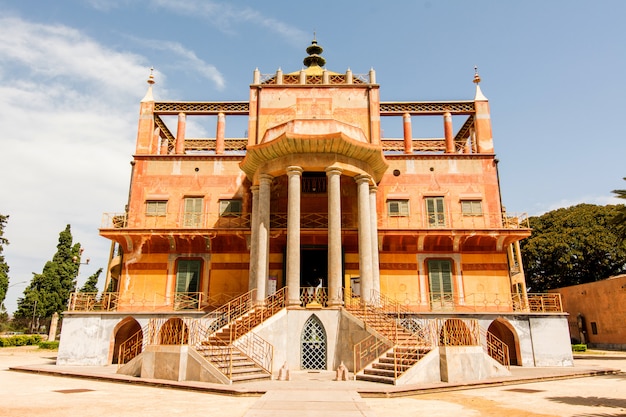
(455, 332)
(504, 331)
(174, 332)
(129, 337)
(313, 345)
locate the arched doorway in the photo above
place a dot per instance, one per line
(455, 332)
(128, 337)
(313, 344)
(174, 332)
(503, 330)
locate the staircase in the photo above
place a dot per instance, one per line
(392, 349)
(230, 344)
(234, 363)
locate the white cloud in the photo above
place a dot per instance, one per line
(190, 60)
(68, 111)
(601, 200)
(225, 15)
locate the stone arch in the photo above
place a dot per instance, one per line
(174, 332)
(455, 332)
(313, 345)
(127, 332)
(503, 330)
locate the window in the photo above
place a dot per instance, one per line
(472, 207)
(435, 212)
(440, 280)
(188, 275)
(594, 327)
(230, 207)
(156, 207)
(193, 212)
(398, 207)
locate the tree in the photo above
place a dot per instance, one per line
(49, 292)
(572, 246)
(4, 267)
(619, 221)
(91, 285)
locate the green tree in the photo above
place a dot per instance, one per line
(49, 292)
(4, 267)
(619, 221)
(572, 246)
(91, 285)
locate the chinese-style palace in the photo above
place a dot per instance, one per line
(314, 241)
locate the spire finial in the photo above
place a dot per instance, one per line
(476, 76)
(314, 51)
(479, 94)
(148, 96)
(151, 77)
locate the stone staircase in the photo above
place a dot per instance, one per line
(223, 347)
(404, 348)
(234, 363)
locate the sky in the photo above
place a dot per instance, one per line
(72, 74)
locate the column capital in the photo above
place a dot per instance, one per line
(294, 170)
(373, 188)
(333, 171)
(254, 188)
(359, 179)
(265, 178)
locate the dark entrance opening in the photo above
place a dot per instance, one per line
(313, 266)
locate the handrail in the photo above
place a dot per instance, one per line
(216, 220)
(496, 348)
(231, 311)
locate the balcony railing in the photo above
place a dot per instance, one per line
(410, 302)
(309, 221)
(111, 301)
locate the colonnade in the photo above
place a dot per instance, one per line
(367, 236)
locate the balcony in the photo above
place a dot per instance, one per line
(310, 221)
(411, 303)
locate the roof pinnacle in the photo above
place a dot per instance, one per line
(479, 96)
(149, 96)
(314, 51)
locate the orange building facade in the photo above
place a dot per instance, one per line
(315, 207)
(597, 312)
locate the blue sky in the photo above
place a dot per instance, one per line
(72, 74)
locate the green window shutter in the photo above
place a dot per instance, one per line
(188, 275)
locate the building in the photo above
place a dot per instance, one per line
(316, 236)
(597, 312)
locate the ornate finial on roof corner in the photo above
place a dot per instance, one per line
(479, 96)
(476, 76)
(149, 96)
(151, 77)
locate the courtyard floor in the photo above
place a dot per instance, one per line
(33, 385)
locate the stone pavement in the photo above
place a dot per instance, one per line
(595, 386)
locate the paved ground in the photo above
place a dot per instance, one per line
(529, 392)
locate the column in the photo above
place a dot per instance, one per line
(180, 134)
(408, 133)
(263, 237)
(294, 174)
(374, 230)
(219, 134)
(448, 132)
(335, 281)
(254, 238)
(365, 238)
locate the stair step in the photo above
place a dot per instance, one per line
(375, 378)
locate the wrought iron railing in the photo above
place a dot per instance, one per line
(496, 348)
(231, 311)
(314, 296)
(257, 349)
(93, 301)
(457, 220)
